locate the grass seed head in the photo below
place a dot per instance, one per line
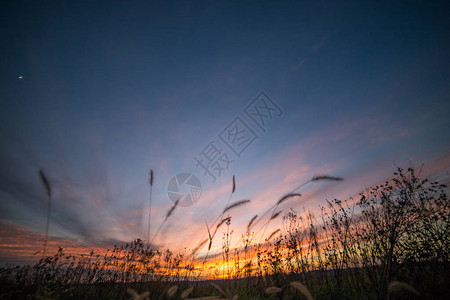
(303, 289)
(286, 197)
(236, 204)
(172, 290)
(251, 222)
(272, 234)
(326, 177)
(45, 182)
(273, 290)
(397, 286)
(234, 185)
(275, 215)
(187, 292)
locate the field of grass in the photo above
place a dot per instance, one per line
(392, 242)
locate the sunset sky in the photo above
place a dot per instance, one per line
(97, 94)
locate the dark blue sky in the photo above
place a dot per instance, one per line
(112, 89)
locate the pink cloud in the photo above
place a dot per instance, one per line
(21, 244)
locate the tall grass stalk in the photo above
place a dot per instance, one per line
(393, 241)
(218, 219)
(169, 213)
(47, 187)
(150, 207)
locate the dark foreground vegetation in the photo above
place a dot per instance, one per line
(390, 242)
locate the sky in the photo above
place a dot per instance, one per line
(97, 94)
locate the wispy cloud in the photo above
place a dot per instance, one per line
(319, 45)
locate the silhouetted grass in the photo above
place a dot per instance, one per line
(392, 241)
